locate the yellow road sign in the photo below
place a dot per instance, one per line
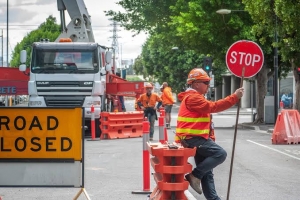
(41, 133)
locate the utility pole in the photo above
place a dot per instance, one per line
(7, 35)
(275, 74)
(115, 43)
(2, 47)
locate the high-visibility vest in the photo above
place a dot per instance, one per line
(191, 123)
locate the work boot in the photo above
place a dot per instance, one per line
(194, 182)
(168, 126)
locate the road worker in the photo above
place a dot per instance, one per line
(193, 127)
(147, 102)
(168, 102)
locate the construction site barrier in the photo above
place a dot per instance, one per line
(161, 126)
(286, 130)
(146, 159)
(163, 133)
(116, 125)
(170, 163)
(93, 122)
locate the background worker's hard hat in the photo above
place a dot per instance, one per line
(148, 85)
(197, 74)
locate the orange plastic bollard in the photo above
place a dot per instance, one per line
(146, 155)
(93, 122)
(162, 112)
(281, 105)
(146, 160)
(161, 124)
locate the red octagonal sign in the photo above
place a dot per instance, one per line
(244, 53)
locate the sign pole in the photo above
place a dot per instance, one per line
(234, 138)
(242, 55)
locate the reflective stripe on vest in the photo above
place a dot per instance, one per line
(191, 123)
(190, 119)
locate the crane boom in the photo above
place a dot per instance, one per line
(79, 29)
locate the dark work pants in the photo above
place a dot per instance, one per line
(151, 119)
(208, 156)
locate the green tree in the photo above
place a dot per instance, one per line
(283, 17)
(169, 65)
(139, 68)
(143, 15)
(48, 29)
(194, 25)
(200, 26)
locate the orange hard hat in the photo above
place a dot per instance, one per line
(148, 85)
(197, 74)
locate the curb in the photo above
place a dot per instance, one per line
(233, 113)
(242, 126)
(256, 128)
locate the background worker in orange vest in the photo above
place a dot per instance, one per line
(168, 102)
(193, 129)
(147, 103)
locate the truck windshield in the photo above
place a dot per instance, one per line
(49, 61)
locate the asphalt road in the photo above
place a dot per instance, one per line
(261, 171)
(114, 168)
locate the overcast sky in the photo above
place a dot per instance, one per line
(27, 15)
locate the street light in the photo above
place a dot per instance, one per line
(276, 103)
(226, 11)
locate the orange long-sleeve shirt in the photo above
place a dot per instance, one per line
(167, 96)
(196, 102)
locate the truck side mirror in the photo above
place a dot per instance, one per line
(108, 57)
(22, 67)
(23, 55)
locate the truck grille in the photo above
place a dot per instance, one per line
(64, 101)
(64, 88)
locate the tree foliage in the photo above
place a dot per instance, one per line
(48, 29)
(139, 68)
(142, 15)
(194, 26)
(283, 17)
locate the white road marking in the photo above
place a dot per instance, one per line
(274, 149)
(189, 195)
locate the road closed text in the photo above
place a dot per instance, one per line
(41, 133)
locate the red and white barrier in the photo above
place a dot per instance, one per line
(146, 156)
(163, 134)
(161, 125)
(146, 160)
(93, 122)
(281, 105)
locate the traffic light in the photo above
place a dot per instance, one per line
(207, 64)
(298, 70)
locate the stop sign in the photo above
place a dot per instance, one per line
(244, 53)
